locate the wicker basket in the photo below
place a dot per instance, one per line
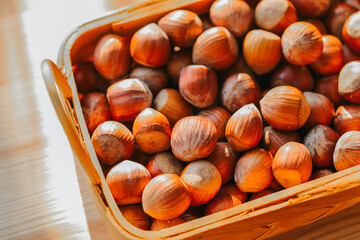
(258, 219)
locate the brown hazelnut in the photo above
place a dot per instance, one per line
(347, 118)
(351, 30)
(238, 90)
(321, 141)
(337, 16)
(164, 162)
(221, 203)
(182, 27)
(290, 75)
(198, 85)
(216, 48)
(158, 225)
(349, 55)
(311, 8)
(193, 138)
(275, 16)
(96, 110)
(318, 24)
(235, 15)
(111, 56)
(219, 117)
(262, 50)
(135, 215)
(301, 43)
(155, 78)
(128, 98)
(178, 60)
(349, 84)
(285, 108)
(328, 86)
(150, 46)
(244, 128)
(85, 78)
(274, 138)
(347, 151)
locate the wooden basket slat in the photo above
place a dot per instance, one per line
(260, 218)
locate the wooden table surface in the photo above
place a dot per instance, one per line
(43, 191)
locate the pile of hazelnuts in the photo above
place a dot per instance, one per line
(193, 115)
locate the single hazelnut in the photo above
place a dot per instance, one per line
(347, 118)
(221, 203)
(337, 16)
(349, 82)
(274, 138)
(193, 138)
(253, 172)
(347, 151)
(321, 141)
(322, 110)
(203, 181)
(170, 103)
(232, 190)
(165, 197)
(128, 98)
(112, 142)
(216, 48)
(311, 8)
(178, 60)
(158, 225)
(182, 27)
(351, 31)
(224, 158)
(301, 43)
(328, 86)
(244, 128)
(275, 16)
(292, 164)
(150, 46)
(290, 75)
(235, 15)
(126, 182)
(262, 50)
(86, 78)
(96, 110)
(238, 90)
(198, 85)
(111, 56)
(349, 55)
(164, 162)
(285, 108)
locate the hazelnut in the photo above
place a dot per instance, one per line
(332, 57)
(85, 78)
(347, 118)
(165, 197)
(274, 138)
(337, 16)
(292, 164)
(170, 103)
(318, 24)
(224, 158)
(111, 56)
(253, 171)
(232, 190)
(321, 141)
(158, 225)
(275, 16)
(262, 50)
(349, 55)
(349, 84)
(203, 181)
(126, 182)
(311, 8)
(285, 108)
(178, 60)
(351, 31)
(238, 90)
(112, 142)
(301, 43)
(164, 162)
(150, 46)
(96, 110)
(193, 138)
(235, 15)
(290, 75)
(152, 131)
(128, 98)
(221, 203)
(155, 78)
(216, 48)
(322, 110)
(182, 27)
(244, 128)
(354, 3)
(347, 151)
(198, 85)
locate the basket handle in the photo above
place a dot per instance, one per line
(52, 78)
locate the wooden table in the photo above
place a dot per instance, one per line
(43, 192)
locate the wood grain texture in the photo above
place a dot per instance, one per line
(44, 193)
